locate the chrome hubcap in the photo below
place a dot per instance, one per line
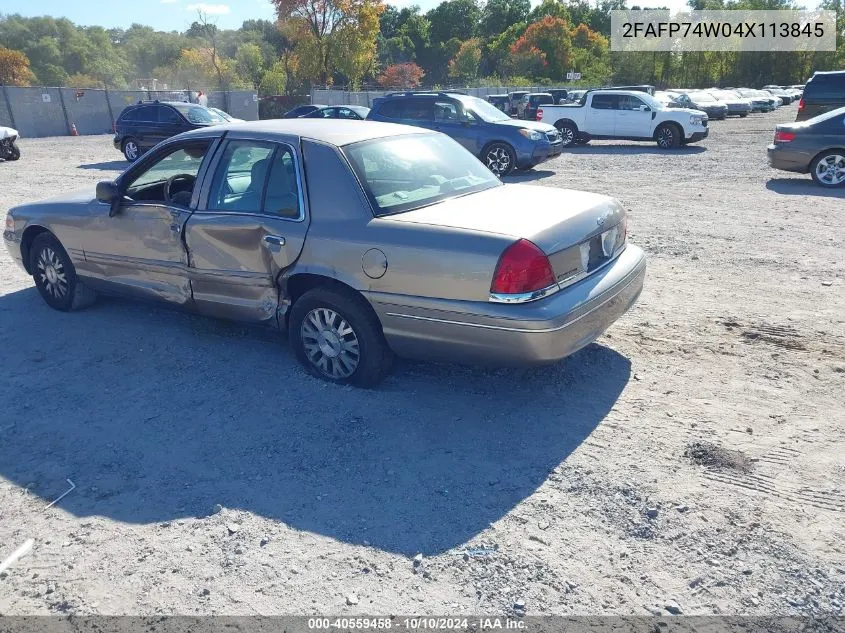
(567, 135)
(131, 151)
(831, 169)
(498, 160)
(51, 273)
(330, 343)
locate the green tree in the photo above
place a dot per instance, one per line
(498, 15)
(464, 65)
(249, 64)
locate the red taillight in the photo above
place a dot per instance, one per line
(801, 104)
(539, 116)
(784, 137)
(522, 268)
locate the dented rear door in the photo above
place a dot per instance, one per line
(250, 226)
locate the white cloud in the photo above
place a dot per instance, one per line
(210, 9)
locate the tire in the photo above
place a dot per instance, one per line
(582, 139)
(14, 153)
(499, 158)
(743, 115)
(568, 134)
(351, 324)
(828, 168)
(131, 150)
(55, 276)
(668, 136)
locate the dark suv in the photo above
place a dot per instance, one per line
(824, 92)
(530, 103)
(145, 124)
(503, 144)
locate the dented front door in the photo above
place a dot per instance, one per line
(251, 225)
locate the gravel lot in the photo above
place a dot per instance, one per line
(692, 461)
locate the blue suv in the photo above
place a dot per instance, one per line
(501, 143)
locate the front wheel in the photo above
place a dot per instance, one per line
(14, 152)
(337, 337)
(743, 115)
(500, 159)
(828, 169)
(55, 276)
(667, 137)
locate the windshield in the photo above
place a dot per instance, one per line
(198, 114)
(408, 172)
(653, 103)
(484, 110)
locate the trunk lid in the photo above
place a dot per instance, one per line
(559, 221)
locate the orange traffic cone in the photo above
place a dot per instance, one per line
(73, 130)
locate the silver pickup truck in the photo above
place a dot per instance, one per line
(627, 115)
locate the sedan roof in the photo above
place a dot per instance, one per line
(336, 132)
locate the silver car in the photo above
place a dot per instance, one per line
(362, 240)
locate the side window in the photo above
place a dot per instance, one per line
(167, 114)
(346, 113)
(238, 184)
(446, 111)
(179, 164)
(417, 109)
(282, 195)
(146, 114)
(627, 102)
(129, 115)
(390, 110)
(605, 102)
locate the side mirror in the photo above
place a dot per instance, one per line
(109, 193)
(645, 108)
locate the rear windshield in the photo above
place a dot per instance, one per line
(401, 173)
(541, 99)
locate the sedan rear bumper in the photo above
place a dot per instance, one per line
(534, 333)
(787, 159)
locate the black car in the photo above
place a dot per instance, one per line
(145, 124)
(824, 92)
(355, 112)
(302, 110)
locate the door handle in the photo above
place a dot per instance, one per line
(274, 240)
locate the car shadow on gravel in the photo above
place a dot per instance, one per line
(528, 175)
(624, 150)
(802, 186)
(158, 415)
(109, 165)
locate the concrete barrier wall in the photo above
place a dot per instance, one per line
(37, 112)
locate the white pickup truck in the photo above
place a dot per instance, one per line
(625, 114)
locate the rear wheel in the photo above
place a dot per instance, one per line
(14, 152)
(55, 276)
(337, 337)
(131, 150)
(668, 136)
(743, 115)
(568, 134)
(828, 169)
(500, 158)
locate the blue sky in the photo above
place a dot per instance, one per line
(177, 15)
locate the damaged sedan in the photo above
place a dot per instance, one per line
(361, 240)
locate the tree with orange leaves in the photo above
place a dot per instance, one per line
(550, 36)
(401, 76)
(14, 68)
